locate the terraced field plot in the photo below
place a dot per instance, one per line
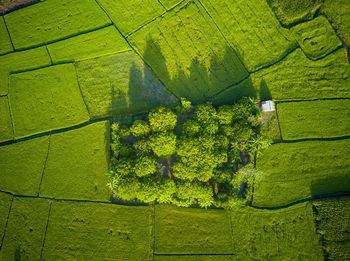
(296, 171)
(314, 119)
(5, 41)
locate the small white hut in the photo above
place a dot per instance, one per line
(267, 106)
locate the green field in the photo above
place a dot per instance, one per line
(6, 130)
(5, 205)
(314, 119)
(5, 41)
(296, 171)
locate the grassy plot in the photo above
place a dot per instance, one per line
(251, 27)
(314, 119)
(6, 131)
(90, 45)
(25, 230)
(20, 61)
(188, 53)
(168, 4)
(53, 20)
(5, 205)
(77, 164)
(130, 15)
(290, 12)
(21, 166)
(295, 171)
(120, 84)
(287, 234)
(192, 231)
(95, 231)
(316, 38)
(194, 258)
(333, 226)
(5, 41)
(46, 99)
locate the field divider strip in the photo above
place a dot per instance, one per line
(278, 120)
(47, 224)
(11, 117)
(197, 254)
(7, 220)
(316, 99)
(42, 173)
(80, 90)
(313, 139)
(48, 53)
(8, 32)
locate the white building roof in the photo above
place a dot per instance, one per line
(267, 106)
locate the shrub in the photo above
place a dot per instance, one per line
(163, 144)
(204, 113)
(140, 129)
(142, 147)
(225, 114)
(124, 132)
(145, 165)
(162, 119)
(191, 128)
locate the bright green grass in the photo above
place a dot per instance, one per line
(120, 84)
(296, 171)
(188, 54)
(6, 131)
(46, 99)
(289, 12)
(333, 225)
(90, 45)
(5, 204)
(194, 258)
(314, 119)
(53, 20)
(192, 231)
(168, 4)
(337, 11)
(25, 230)
(316, 38)
(95, 231)
(5, 42)
(130, 15)
(286, 234)
(77, 164)
(21, 166)
(251, 27)
(20, 61)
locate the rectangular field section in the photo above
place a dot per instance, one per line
(314, 119)
(53, 20)
(192, 231)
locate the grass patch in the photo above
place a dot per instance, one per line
(130, 15)
(188, 54)
(94, 231)
(295, 171)
(77, 164)
(316, 38)
(20, 61)
(53, 20)
(6, 131)
(333, 224)
(5, 204)
(194, 258)
(274, 235)
(5, 41)
(90, 45)
(191, 231)
(252, 28)
(168, 4)
(46, 99)
(21, 166)
(314, 119)
(120, 84)
(25, 229)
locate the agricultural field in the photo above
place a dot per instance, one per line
(76, 77)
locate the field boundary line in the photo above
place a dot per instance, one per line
(48, 53)
(278, 120)
(316, 99)
(153, 234)
(42, 173)
(80, 90)
(47, 224)
(35, 69)
(314, 139)
(11, 117)
(196, 254)
(8, 32)
(7, 220)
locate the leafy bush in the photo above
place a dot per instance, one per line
(163, 144)
(162, 119)
(140, 128)
(145, 165)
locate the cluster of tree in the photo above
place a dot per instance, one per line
(202, 158)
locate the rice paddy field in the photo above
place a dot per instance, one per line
(68, 69)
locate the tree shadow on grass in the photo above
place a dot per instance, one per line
(330, 185)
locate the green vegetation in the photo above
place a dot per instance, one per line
(168, 4)
(5, 41)
(275, 234)
(188, 53)
(105, 41)
(6, 131)
(332, 221)
(120, 84)
(198, 164)
(5, 204)
(314, 119)
(97, 231)
(316, 38)
(21, 61)
(194, 258)
(46, 99)
(296, 171)
(260, 47)
(130, 15)
(53, 20)
(290, 12)
(192, 231)
(80, 154)
(22, 165)
(25, 230)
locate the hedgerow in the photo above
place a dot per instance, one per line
(190, 155)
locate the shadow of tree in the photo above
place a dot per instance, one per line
(264, 92)
(330, 185)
